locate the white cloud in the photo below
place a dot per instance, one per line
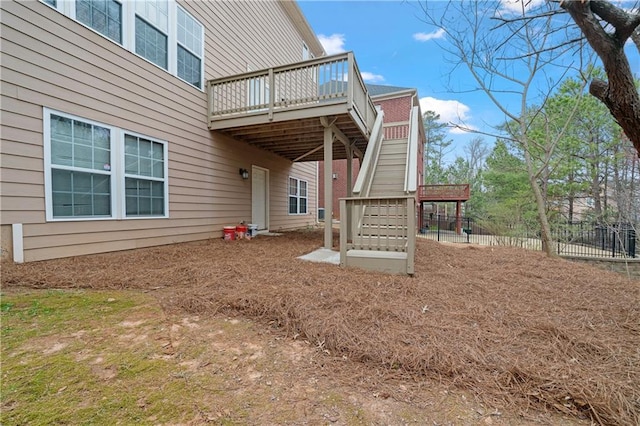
(332, 44)
(451, 112)
(370, 77)
(516, 6)
(434, 35)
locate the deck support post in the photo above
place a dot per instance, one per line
(349, 150)
(458, 217)
(328, 188)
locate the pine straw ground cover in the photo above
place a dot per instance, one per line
(512, 326)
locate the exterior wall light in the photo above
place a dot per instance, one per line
(244, 173)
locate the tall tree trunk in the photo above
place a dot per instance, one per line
(541, 201)
(619, 94)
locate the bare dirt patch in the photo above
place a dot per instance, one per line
(515, 329)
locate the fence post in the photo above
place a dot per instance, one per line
(468, 229)
(613, 243)
(631, 243)
(438, 227)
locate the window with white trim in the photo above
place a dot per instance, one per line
(159, 31)
(144, 176)
(298, 198)
(189, 48)
(103, 16)
(151, 31)
(80, 168)
(96, 171)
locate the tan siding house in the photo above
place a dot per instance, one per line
(104, 150)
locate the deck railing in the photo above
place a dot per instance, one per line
(388, 224)
(444, 192)
(396, 130)
(320, 81)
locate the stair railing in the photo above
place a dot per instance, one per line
(368, 166)
(411, 170)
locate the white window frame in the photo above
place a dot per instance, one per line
(297, 196)
(68, 8)
(117, 171)
(199, 55)
(306, 53)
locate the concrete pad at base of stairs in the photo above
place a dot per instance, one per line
(323, 255)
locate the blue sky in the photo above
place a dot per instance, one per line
(393, 45)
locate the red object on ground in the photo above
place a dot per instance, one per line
(229, 233)
(241, 231)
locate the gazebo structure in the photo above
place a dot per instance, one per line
(443, 193)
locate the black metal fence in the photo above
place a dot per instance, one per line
(580, 239)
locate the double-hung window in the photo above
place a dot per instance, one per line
(104, 16)
(96, 171)
(151, 30)
(190, 44)
(81, 177)
(160, 31)
(144, 176)
(297, 196)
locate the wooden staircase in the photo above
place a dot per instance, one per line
(380, 226)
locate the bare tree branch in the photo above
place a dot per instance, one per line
(619, 94)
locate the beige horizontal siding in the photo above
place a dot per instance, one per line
(52, 61)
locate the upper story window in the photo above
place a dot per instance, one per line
(151, 31)
(305, 52)
(151, 44)
(190, 34)
(158, 30)
(103, 16)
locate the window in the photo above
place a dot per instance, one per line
(144, 176)
(99, 171)
(103, 16)
(151, 44)
(189, 49)
(158, 30)
(152, 25)
(297, 196)
(80, 168)
(305, 52)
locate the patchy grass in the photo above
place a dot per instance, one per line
(86, 357)
(114, 357)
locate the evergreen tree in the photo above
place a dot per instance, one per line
(436, 147)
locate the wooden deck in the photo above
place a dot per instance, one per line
(444, 192)
(286, 109)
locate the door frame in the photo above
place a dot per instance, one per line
(266, 194)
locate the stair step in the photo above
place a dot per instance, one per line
(382, 261)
